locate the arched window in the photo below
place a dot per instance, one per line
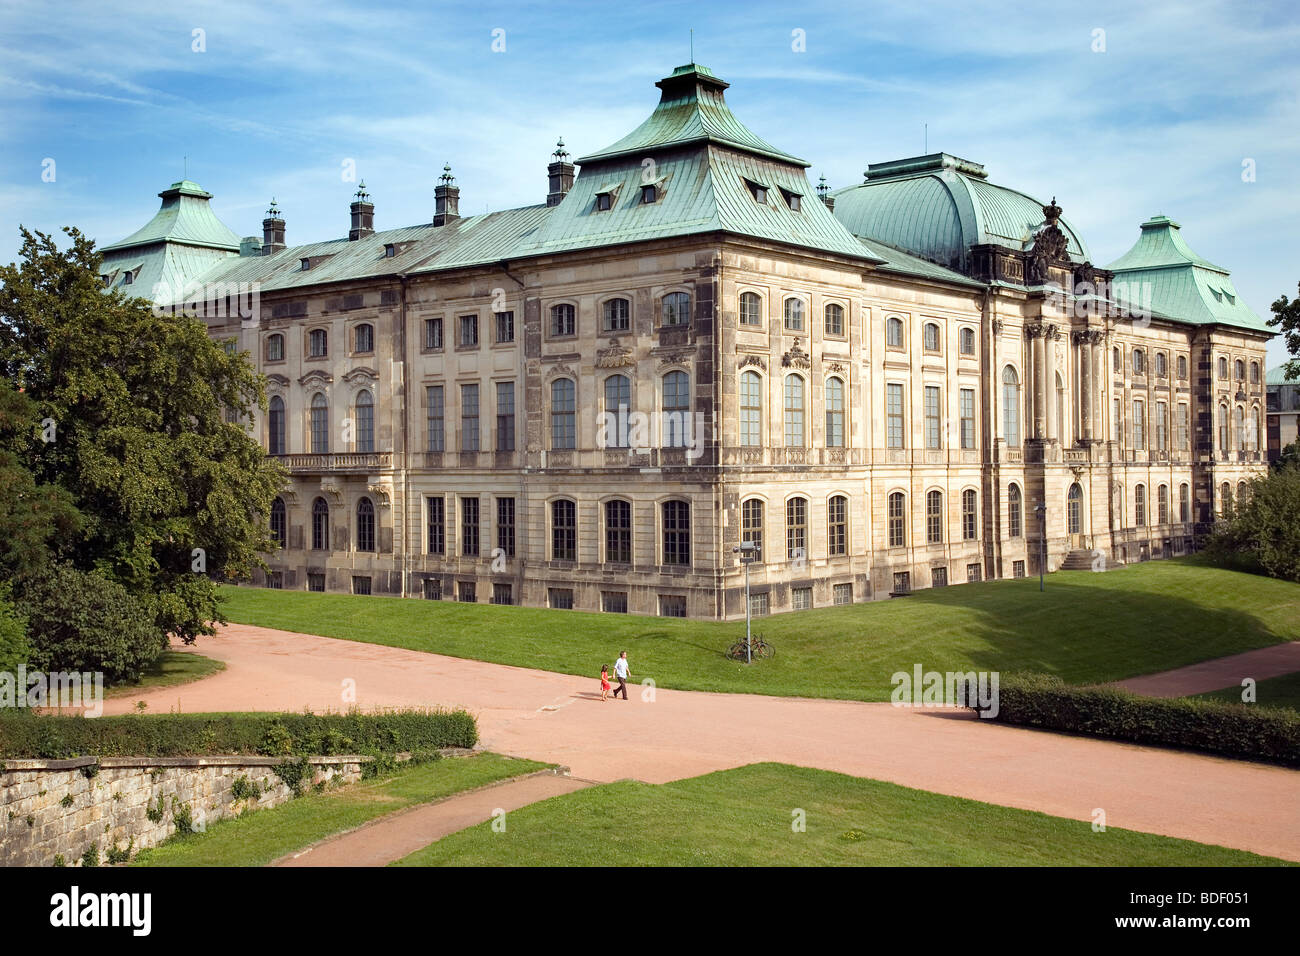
(967, 339)
(1161, 366)
(317, 343)
(1225, 498)
(564, 319)
(751, 409)
(618, 315)
(677, 410)
(275, 426)
(275, 348)
(320, 525)
(1182, 367)
(794, 314)
(279, 532)
(837, 525)
(794, 430)
(677, 533)
(365, 525)
(751, 308)
(564, 414)
(751, 523)
(969, 516)
(1240, 369)
(1117, 359)
(934, 517)
(1223, 367)
(834, 319)
(897, 520)
(564, 530)
(1241, 493)
(1015, 526)
(1185, 503)
(796, 528)
(1255, 429)
(618, 406)
(676, 308)
(363, 338)
(1162, 505)
(930, 337)
(1254, 373)
(365, 422)
(834, 413)
(618, 531)
(1240, 423)
(1139, 362)
(1010, 406)
(320, 424)
(1140, 506)
(1074, 509)
(1223, 429)
(1060, 409)
(894, 333)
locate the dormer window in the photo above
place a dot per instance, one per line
(649, 194)
(305, 264)
(792, 200)
(758, 191)
(128, 277)
(605, 200)
(390, 250)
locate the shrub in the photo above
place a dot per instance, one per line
(81, 621)
(1230, 729)
(91, 856)
(1262, 533)
(123, 855)
(14, 648)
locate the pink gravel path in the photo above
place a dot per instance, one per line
(1261, 664)
(561, 719)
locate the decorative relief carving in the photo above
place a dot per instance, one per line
(316, 377)
(381, 493)
(616, 356)
(796, 358)
(331, 488)
(561, 371)
(997, 326)
(837, 367)
(675, 358)
(277, 383)
(755, 360)
(360, 373)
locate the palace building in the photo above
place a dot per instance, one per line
(919, 380)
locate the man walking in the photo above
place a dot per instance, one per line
(622, 672)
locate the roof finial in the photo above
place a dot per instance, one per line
(822, 188)
(362, 195)
(560, 154)
(1052, 211)
(446, 178)
(274, 211)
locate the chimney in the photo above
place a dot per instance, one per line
(561, 174)
(272, 230)
(824, 194)
(250, 246)
(446, 198)
(363, 214)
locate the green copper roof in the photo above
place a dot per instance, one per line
(691, 111)
(1277, 376)
(1163, 272)
(938, 206)
(185, 217)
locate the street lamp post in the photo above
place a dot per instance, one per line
(748, 551)
(1041, 508)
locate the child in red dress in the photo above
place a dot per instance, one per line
(604, 682)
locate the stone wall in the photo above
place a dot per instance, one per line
(50, 808)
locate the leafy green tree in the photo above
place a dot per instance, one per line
(1290, 455)
(14, 649)
(1262, 532)
(1286, 316)
(172, 497)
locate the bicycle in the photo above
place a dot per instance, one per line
(758, 649)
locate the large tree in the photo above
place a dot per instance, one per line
(130, 430)
(1286, 316)
(1262, 532)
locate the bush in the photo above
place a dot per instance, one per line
(1262, 533)
(1219, 727)
(14, 649)
(81, 621)
(419, 732)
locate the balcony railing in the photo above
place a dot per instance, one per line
(344, 461)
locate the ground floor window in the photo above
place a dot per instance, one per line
(759, 604)
(801, 598)
(360, 585)
(465, 591)
(1017, 569)
(503, 594)
(672, 605)
(939, 577)
(432, 589)
(902, 581)
(315, 582)
(613, 602)
(560, 598)
(277, 580)
(972, 573)
(843, 593)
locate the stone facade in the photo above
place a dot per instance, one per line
(50, 808)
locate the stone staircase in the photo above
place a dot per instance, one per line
(1081, 559)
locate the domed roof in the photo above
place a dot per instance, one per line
(938, 206)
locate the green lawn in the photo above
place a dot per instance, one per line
(257, 838)
(1086, 627)
(744, 817)
(1281, 691)
(171, 668)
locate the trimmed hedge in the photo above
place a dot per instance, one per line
(420, 732)
(1218, 727)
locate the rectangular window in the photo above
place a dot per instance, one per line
(560, 598)
(466, 592)
(677, 532)
(933, 435)
(506, 526)
(432, 589)
(672, 605)
(1139, 424)
(894, 414)
(360, 585)
(939, 577)
(1119, 423)
(505, 416)
(505, 327)
(751, 407)
(316, 582)
(437, 526)
(434, 399)
(902, 582)
(1161, 433)
(760, 604)
(1182, 426)
(618, 531)
(433, 334)
(843, 593)
(968, 418)
(1017, 569)
(837, 526)
(972, 573)
(796, 528)
(276, 581)
(469, 331)
(469, 418)
(613, 602)
(469, 527)
(564, 531)
(801, 598)
(503, 594)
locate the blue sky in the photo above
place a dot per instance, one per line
(285, 92)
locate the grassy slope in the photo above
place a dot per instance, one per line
(170, 669)
(1281, 691)
(743, 817)
(257, 838)
(1086, 627)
